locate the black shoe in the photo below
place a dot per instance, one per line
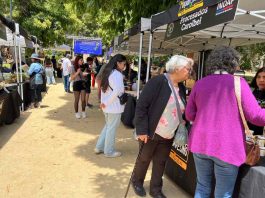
(89, 105)
(157, 195)
(69, 92)
(139, 190)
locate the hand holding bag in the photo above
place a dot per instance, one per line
(123, 98)
(252, 148)
(181, 134)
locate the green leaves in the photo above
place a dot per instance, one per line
(51, 20)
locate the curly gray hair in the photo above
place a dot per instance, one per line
(222, 58)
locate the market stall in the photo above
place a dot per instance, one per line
(14, 87)
(199, 27)
(199, 30)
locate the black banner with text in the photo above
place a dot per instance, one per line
(203, 18)
(2, 31)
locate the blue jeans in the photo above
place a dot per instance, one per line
(106, 140)
(225, 175)
(66, 83)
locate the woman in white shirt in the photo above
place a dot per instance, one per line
(111, 87)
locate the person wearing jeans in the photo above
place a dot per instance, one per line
(49, 71)
(111, 87)
(225, 176)
(217, 137)
(67, 83)
(35, 71)
(106, 139)
(67, 68)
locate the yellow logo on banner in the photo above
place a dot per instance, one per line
(189, 6)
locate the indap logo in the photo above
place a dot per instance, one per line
(224, 6)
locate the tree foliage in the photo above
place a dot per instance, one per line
(252, 56)
(51, 20)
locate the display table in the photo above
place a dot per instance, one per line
(9, 106)
(251, 181)
(26, 92)
(181, 170)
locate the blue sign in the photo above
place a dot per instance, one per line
(88, 47)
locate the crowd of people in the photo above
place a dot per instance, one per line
(218, 151)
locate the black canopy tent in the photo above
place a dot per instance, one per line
(248, 27)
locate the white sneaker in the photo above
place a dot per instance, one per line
(97, 151)
(114, 154)
(77, 115)
(83, 114)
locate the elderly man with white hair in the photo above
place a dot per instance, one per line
(156, 120)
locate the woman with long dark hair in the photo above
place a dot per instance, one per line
(111, 87)
(258, 83)
(79, 86)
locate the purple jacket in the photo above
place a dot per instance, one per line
(217, 128)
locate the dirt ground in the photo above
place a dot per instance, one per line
(47, 152)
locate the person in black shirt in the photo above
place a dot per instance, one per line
(258, 83)
(54, 64)
(87, 67)
(14, 66)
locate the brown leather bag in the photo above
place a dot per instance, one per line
(252, 148)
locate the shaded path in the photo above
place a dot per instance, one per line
(49, 153)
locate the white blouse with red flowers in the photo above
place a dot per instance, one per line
(169, 120)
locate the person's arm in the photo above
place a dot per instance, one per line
(253, 112)
(31, 69)
(191, 108)
(74, 74)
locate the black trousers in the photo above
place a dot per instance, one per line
(36, 94)
(156, 149)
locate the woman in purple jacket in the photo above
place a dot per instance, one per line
(217, 137)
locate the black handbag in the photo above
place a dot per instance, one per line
(123, 98)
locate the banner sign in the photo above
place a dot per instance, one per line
(88, 47)
(202, 18)
(182, 8)
(180, 155)
(2, 31)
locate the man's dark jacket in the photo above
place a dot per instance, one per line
(151, 104)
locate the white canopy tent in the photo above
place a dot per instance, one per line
(247, 28)
(63, 47)
(10, 41)
(17, 41)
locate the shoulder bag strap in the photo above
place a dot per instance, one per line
(176, 98)
(238, 97)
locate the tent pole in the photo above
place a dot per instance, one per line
(15, 48)
(73, 52)
(20, 68)
(199, 66)
(149, 56)
(21, 80)
(139, 65)
(202, 67)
